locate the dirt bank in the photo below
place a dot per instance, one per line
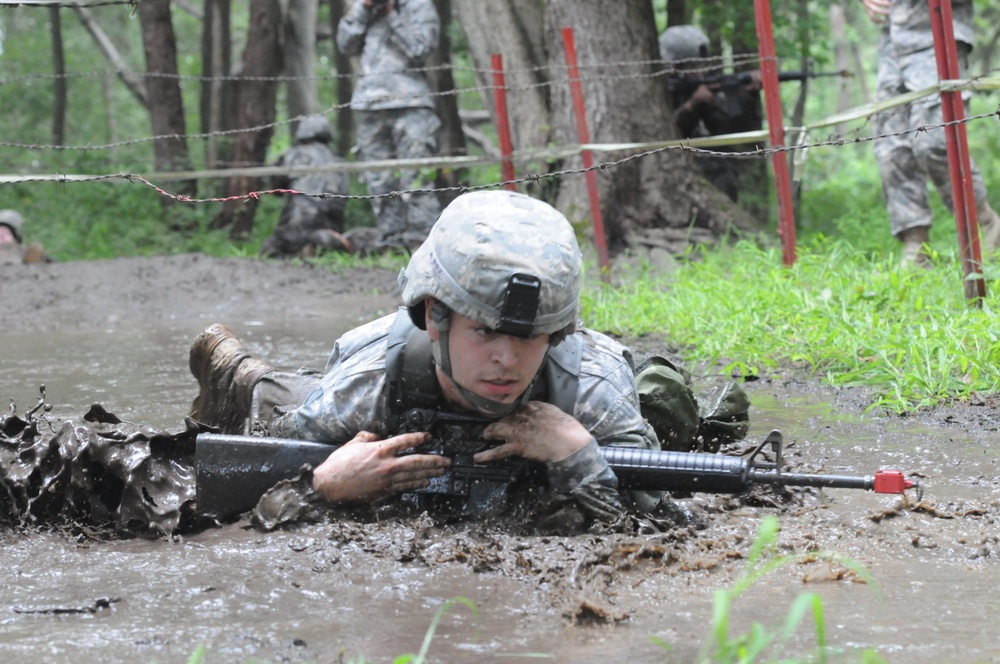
(117, 332)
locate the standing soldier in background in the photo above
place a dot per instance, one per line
(12, 251)
(394, 110)
(906, 160)
(308, 222)
(702, 109)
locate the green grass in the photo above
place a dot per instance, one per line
(721, 646)
(839, 313)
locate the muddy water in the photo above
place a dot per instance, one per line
(371, 590)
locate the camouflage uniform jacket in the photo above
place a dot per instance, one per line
(333, 182)
(391, 47)
(909, 25)
(352, 397)
(312, 153)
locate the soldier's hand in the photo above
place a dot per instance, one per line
(702, 96)
(367, 468)
(383, 6)
(877, 10)
(538, 431)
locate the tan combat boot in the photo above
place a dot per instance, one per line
(989, 223)
(226, 377)
(33, 253)
(915, 241)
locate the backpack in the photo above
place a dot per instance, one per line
(682, 422)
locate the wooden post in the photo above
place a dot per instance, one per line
(959, 164)
(583, 134)
(775, 125)
(503, 122)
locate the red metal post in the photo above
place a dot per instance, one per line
(959, 164)
(775, 125)
(569, 46)
(503, 122)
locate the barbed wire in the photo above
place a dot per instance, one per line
(676, 67)
(329, 110)
(10, 4)
(532, 178)
(621, 70)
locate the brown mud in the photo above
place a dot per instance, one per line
(117, 333)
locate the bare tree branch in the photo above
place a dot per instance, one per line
(134, 83)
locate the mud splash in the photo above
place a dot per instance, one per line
(97, 472)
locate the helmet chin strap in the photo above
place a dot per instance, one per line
(441, 319)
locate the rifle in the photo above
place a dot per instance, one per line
(233, 472)
(728, 86)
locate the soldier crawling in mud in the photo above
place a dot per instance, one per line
(309, 222)
(12, 248)
(489, 327)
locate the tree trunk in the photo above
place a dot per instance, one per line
(299, 52)
(166, 107)
(451, 139)
(625, 103)
(514, 30)
(216, 61)
(342, 65)
(256, 99)
(677, 13)
(59, 85)
(838, 35)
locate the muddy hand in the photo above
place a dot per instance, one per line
(538, 431)
(367, 468)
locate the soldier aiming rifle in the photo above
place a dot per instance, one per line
(719, 104)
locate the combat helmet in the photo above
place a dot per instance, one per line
(314, 128)
(682, 42)
(13, 220)
(503, 259)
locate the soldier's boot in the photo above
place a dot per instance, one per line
(989, 223)
(226, 375)
(34, 253)
(915, 241)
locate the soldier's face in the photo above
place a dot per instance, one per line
(499, 367)
(6, 235)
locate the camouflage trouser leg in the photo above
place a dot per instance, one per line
(906, 162)
(281, 389)
(400, 134)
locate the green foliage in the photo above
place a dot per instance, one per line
(842, 312)
(198, 656)
(421, 656)
(723, 647)
(73, 221)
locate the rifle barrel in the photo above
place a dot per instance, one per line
(866, 483)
